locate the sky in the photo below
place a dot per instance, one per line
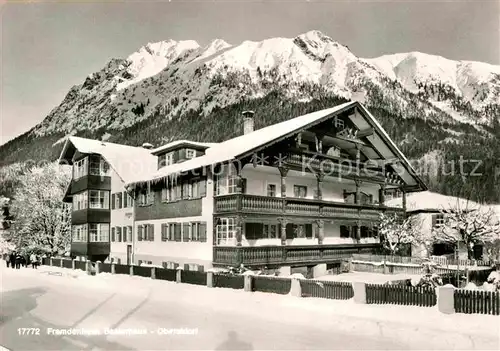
(47, 47)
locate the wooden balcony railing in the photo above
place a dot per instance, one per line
(336, 166)
(296, 206)
(281, 255)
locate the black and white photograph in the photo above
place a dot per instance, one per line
(249, 175)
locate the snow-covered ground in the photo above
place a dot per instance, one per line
(367, 277)
(265, 321)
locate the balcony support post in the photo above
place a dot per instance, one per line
(283, 222)
(319, 181)
(319, 142)
(381, 195)
(321, 230)
(357, 200)
(358, 159)
(404, 202)
(358, 231)
(239, 230)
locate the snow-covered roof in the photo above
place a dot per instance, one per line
(233, 148)
(176, 143)
(129, 162)
(430, 201)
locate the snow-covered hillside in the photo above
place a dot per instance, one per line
(169, 78)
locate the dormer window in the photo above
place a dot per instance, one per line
(190, 153)
(339, 123)
(97, 166)
(165, 160)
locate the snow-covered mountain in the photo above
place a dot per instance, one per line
(169, 78)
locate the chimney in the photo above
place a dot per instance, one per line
(147, 146)
(247, 121)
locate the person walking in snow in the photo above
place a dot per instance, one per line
(7, 260)
(19, 260)
(34, 261)
(13, 260)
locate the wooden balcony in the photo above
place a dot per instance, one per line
(287, 255)
(307, 161)
(243, 203)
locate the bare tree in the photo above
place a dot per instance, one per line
(468, 224)
(397, 231)
(42, 220)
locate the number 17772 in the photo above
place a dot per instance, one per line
(28, 331)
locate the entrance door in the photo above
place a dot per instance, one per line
(129, 254)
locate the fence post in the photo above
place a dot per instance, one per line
(61, 263)
(295, 288)
(98, 267)
(153, 272)
(210, 279)
(247, 283)
(73, 264)
(88, 267)
(359, 289)
(131, 270)
(178, 277)
(446, 299)
(51, 263)
(113, 268)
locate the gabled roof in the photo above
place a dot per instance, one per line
(427, 201)
(252, 142)
(177, 143)
(129, 162)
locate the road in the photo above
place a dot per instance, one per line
(37, 300)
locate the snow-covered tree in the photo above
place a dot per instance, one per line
(469, 225)
(397, 231)
(42, 221)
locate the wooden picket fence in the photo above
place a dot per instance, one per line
(271, 284)
(400, 295)
(194, 277)
(326, 289)
(142, 271)
(166, 274)
(228, 281)
(476, 301)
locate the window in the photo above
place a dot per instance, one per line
(79, 233)
(177, 232)
(165, 160)
(195, 231)
(170, 265)
(97, 166)
(300, 191)
(225, 231)
(99, 232)
(271, 190)
(129, 234)
(186, 194)
(118, 234)
(165, 195)
(99, 199)
(270, 231)
(190, 153)
(80, 201)
(193, 267)
(438, 220)
(227, 181)
(80, 168)
(145, 232)
(146, 198)
(339, 123)
(164, 232)
(130, 201)
(118, 200)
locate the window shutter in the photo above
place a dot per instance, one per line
(124, 234)
(125, 204)
(203, 232)
(185, 232)
(186, 267)
(130, 234)
(152, 232)
(434, 220)
(203, 188)
(113, 201)
(113, 234)
(201, 268)
(139, 232)
(178, 234)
